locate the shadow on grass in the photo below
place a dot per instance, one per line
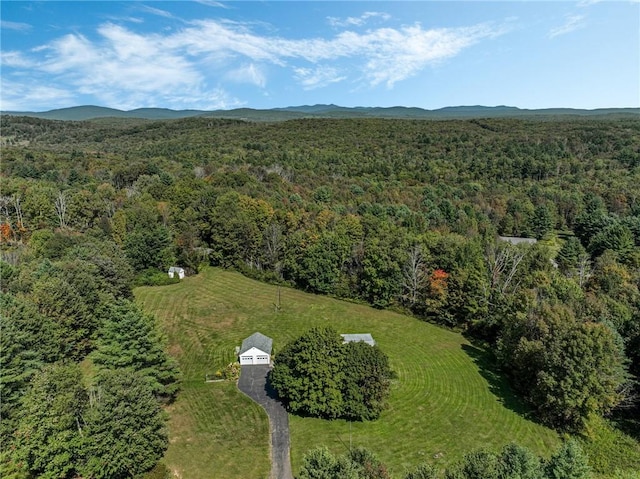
(498, 384)
(628, 420)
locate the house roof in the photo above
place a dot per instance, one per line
(517, 240)
(257, 340)
(175, 269)
(354, 338)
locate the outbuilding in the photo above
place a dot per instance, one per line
(256, 349)
(176, 270)
(354, 338)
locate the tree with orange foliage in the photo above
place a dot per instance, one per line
(438, 283)
(5, 232)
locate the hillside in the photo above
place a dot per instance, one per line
(398, 214)
(325, 111)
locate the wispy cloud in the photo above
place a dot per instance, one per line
(18, 26)
(188, 68)
(572, 23)
(321, 76)
(25, 92)
(155, 11)
(357, 21)
(382, 55)
(212, 3)
(15, 60)
(587, 3)
(251, 74)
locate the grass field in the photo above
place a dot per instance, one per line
(445, 401)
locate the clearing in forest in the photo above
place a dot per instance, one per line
(445, 401)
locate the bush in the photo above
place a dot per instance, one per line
(154, 277)
(231, 372)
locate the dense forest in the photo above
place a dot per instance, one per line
(399, 214)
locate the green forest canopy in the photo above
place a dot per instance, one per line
(396, 213)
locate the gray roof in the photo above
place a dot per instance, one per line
(354, 338)
(175, 269)
(517, 240)
(257, 340)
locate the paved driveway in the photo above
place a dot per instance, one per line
(253, 382)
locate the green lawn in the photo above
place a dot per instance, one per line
(445, 402)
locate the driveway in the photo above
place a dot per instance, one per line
(253, 382)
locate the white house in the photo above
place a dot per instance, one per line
(256, 349)
(354, 338)
(176, 270)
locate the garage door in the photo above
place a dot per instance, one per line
(245, 360)
(260, 359)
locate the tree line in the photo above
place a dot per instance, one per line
(512, 462)
(84, 369)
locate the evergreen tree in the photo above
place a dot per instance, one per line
(125, 432)
(27, 341)
(50, 435)
(422, 471)
(129, 340)
(570, 462)
(517, 462)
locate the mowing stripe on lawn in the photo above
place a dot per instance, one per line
(444, 403)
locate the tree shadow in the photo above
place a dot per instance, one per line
(627, 420)
(498, 384)
(269, 389)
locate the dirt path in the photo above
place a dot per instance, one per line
(253, 382)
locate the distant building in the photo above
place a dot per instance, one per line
(176, 270)
(354, 338)
(517, 240)
(256, 349)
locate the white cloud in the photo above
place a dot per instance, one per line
(155, 11)
(15, 60)
(357, 21)
(21, 27)
(587, 3)
(212, 3)
(250, 73)
(572, 23)
(123, 68)
(321, 76)
(15, 95)
(384, 54)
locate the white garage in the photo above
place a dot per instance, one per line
(256, 349)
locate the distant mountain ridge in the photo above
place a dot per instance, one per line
(89, 112)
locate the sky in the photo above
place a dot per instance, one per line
(210, 55)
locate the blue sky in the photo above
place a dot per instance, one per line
(221, 55)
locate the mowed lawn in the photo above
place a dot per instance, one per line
(444, 402)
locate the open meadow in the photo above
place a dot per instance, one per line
(445, 401)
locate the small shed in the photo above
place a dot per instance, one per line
(256, 349)
(354, 338)
(176, 270)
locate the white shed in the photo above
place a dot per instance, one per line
(176, 270)
(354, 338)
(256, 349)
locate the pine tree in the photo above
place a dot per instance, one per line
(125, 430)
(128, 339)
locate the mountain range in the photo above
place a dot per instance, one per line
(89, 112)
